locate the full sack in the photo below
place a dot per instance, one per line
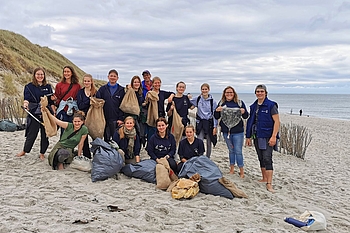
(48, 118)
(144, 170)
(8, 126)
(130, 104)
(95, 119)
(106, 162)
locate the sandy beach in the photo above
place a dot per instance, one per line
(35, 198)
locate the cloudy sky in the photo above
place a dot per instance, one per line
(293, 46)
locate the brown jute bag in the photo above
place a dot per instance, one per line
(177, 127)
(49, 122)
(95, 119)
(130, 104)
(152, 114)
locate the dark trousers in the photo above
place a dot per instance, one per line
(86, 148)
(110, 129)
(32, 131)
(264, 156)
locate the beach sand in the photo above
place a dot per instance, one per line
(35, 198)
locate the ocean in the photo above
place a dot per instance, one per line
(332, 106)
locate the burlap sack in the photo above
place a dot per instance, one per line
(177, 127)
(186, 188)
(130, 104)
(95, 119)
(162, 177)
(152, 114)
(48, 118)
(232, 187)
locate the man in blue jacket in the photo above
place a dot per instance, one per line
(262, 126)
(113, 95)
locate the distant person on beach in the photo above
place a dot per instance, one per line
(37, 88)
(162, 144)
(232, 111)
(262, 126)
(83, 99)
(113, 94)
(181, 103)
(74, 134)
(189, 147)
(300, 112)
(206, 124)
(128, 140)
(65, 96)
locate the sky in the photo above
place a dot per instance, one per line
(298, 46)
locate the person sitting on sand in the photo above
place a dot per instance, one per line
(74, 135)
(128, 140)
(263, 125)
(162, 144)
(189, 147)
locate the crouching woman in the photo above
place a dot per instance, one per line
(74, 135)
(162, 144)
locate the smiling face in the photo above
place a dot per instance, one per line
(189, 133)
(156, 85)
(180, 88)
(229, 94)
(161, 127)
(136, 84)
(39, 76)
(113, 78)
(77, 122)
(87, 82)
(205, 91)
(129, 123)
(67, 73)
(260, 94)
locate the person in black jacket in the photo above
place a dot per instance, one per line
(83, 101)
(128, 140)
(189, 147)
(32, 93)
(113, 95)
(162, 144)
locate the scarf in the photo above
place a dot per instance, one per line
(130, 135)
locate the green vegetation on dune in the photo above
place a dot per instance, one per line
(19, 57)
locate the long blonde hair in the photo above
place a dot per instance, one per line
(93, 87)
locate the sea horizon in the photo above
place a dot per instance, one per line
(330, 106)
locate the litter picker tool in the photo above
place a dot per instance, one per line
(27, 111)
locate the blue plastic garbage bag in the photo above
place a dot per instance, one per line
(106, 161)
(144, 170)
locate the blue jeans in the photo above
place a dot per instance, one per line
(235, 145)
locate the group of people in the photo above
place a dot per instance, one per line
(150, 128)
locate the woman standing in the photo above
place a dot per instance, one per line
(231, 110)
(66, 92)
(83, 101)
(128, 140)
(162, 95)
(162, 144)
(263, 125)
(206, 124)
(74, 135)
(189, 147)
(182, 104)
(32, 93)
